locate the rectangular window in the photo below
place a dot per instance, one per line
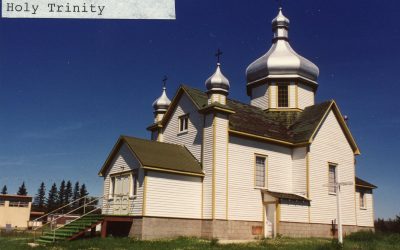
(362, 200)
(260, 171)
(283, 96)
(112, 187)
(332, 178)
(135, 180)
(183, 123)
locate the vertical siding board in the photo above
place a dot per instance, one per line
(365, 216)
(192, 139)
(260, 96)
(306, 96)
(299, 174)
(331, 145)
(207, 167)
(244, 202)
(172, 195)
(221, 142)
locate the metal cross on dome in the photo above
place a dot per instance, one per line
(165, 80)
(218, 55)
(279, 3)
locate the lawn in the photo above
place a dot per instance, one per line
(359, 241)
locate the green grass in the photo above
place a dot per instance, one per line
(357, 241)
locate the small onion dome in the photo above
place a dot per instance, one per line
(281, 61)
(280, 21)
(217, 82)
(162, 103)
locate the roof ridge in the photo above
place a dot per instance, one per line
(148, 140)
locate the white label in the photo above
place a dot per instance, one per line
(102, 9)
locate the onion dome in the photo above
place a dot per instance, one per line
(162, 103)
(218, 82)
(281, 61)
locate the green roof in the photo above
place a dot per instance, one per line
(158, 156)
(288, 126)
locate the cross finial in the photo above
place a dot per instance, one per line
(218, 55)
(165, 80)
(280, 4)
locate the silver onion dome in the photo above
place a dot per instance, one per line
(162, 103)
(281, 61)
(217, 82)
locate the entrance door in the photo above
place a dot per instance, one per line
(121, 194)
(269, 220)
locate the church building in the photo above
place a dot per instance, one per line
(219, 168)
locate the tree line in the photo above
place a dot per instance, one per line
(57, 196)
(388, 225)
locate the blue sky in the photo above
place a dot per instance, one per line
(69, 88)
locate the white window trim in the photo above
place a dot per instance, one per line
(180, 129)
(364, 198)
(131, 177)
(265, 170)
(335, 165)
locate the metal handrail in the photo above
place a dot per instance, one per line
(84, 205)
(53, 211)
(63, 215)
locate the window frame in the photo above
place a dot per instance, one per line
(133, 176)
(183, 123)
(278, 95)
(265, 158)
(362, 198)
(335, 167)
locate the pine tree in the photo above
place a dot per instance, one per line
(61, 194)
(22, 190)
(52, 198)
(82, 193)
(68, 192)
(75, 195)
(4, 190)
(40, 198)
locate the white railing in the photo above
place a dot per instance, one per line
(93, 201)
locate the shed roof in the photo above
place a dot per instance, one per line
(289, 196)
(361, 183)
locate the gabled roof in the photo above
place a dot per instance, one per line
(361, 183)
(157, 156)
(286, 127)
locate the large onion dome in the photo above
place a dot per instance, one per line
(281, 61)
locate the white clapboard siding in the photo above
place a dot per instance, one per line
(274, 91)
(306, 96)
(292, 212)
(208, 166)
(365, 216)
(192, 139)
(259, 96)
(124, 161)
(221, 143)
(331, 145)
(172, 195)
(299, 171)
(292, 95)
(245, 202)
